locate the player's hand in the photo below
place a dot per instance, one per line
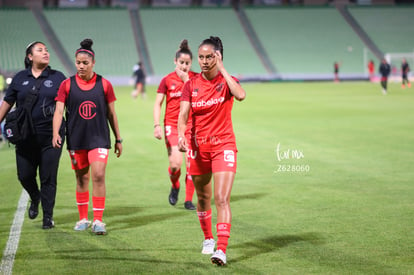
(181, 74)
(158, 132)
(182, 144)
(57, 141)
(219, 61)
(118, 149)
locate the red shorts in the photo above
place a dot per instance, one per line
(83, 158)
(171, 135)
(210, 162)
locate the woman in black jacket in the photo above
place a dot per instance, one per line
(36, 154)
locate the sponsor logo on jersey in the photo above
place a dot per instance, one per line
(48, 83)
(207, 103)
(176, 94)
(87, 110)
(25, 83)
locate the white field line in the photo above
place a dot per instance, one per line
(16, 228)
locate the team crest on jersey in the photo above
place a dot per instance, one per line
(48, 83)
(195, 92)
(172, 86)
(87, 110)
(219, 87)
(25, 83)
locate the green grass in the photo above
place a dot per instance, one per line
(352, 213)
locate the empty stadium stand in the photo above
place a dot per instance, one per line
(110, 30)
(307, 40)
(19, 28)
(391, 28)
(165, 27)
(259, 43)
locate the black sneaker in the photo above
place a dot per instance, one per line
(34, 209)
(48, 223)
(189, 205)
(173, 197)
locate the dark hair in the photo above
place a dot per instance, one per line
(214, 41)
(86, 47)
(29, 50)
(184, 49)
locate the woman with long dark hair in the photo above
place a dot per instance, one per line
(36, 154)
(212, 152)
(90, 104)
(171, 87)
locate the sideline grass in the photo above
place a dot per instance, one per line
(352, 213)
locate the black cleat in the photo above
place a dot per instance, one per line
(48, 223)
(34, 209)
(189, 205)
(173, 197)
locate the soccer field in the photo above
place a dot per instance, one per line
(324, 186)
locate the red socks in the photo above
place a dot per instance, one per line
(175, 178)
(189, 188)
(98, 207)
(223, 235)
(82, 200)
(223, 230)
(205, 222)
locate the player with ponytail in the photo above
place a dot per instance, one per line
(90, 104)
(170, 89)
(207, 101)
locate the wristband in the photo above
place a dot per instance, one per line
(156, 125)
(119, 140)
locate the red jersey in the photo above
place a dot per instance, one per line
(85, 86)
(211, 103)
(171, 86)
(371, 67)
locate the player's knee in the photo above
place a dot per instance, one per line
(98, 177)
(221, 201)
(204, 198)
(174, 167)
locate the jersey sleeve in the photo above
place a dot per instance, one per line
(186, 93)
(11, 93)
(108, 90)
(162, 88)
(63, 91)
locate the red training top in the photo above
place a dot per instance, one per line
(211, 104)
(85, 86)
(171, 86)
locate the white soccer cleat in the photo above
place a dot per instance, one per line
(219, 258)
(82, 225)
(208, 246)
(98, 227)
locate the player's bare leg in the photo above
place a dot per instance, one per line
(203, 187)
(175, 159)
(223, 183)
